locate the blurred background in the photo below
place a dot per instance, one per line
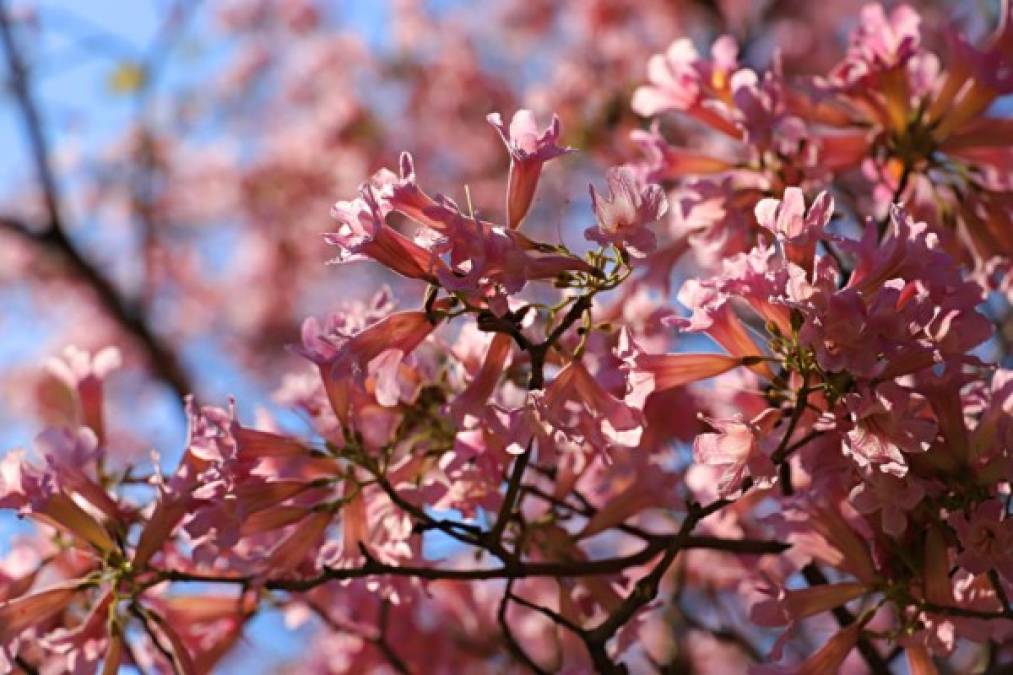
(167, 169)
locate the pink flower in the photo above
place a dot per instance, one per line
(739, 449)
(85, 644)
(712, 313)
(827, 533)
(20, 614)
(623, 217)
(474, 397)
(986, 539)
(765, 122)
(71, 457)
(576, 403)
(529, 149)
(665, 162)
(893, 497)
(883, 41)
(74, 396)
(648, 373)
(874, 69)
(681, 80)
(363, 234)
(169, 511)
(39, 493)
(887, 424)
(347, 356)
(797, 229)
(481, 257)
(300, 544)
(975, 76)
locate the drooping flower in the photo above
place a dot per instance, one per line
(665, 162)
(478, 391)
(476, 257)
(827, 659)
(82, 646)
(297, 547)
(712, 313)
(790, 605)
(38, 493)
(363, 234)
(20, 614)
(71, 457)
(826, 532)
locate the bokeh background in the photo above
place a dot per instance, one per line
(195, 149)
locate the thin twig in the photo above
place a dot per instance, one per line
(511, 642)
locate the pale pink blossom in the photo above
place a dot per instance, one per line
(623, 218)
(529, 149)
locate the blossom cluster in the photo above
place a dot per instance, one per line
(760, 394)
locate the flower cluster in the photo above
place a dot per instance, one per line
(838, 463)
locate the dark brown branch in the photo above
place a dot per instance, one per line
(511, 642)
(146, 619)
(969, 613)
(645, 590)
(511, 496)
(517, 570)
(555, 617)
(54, 235)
